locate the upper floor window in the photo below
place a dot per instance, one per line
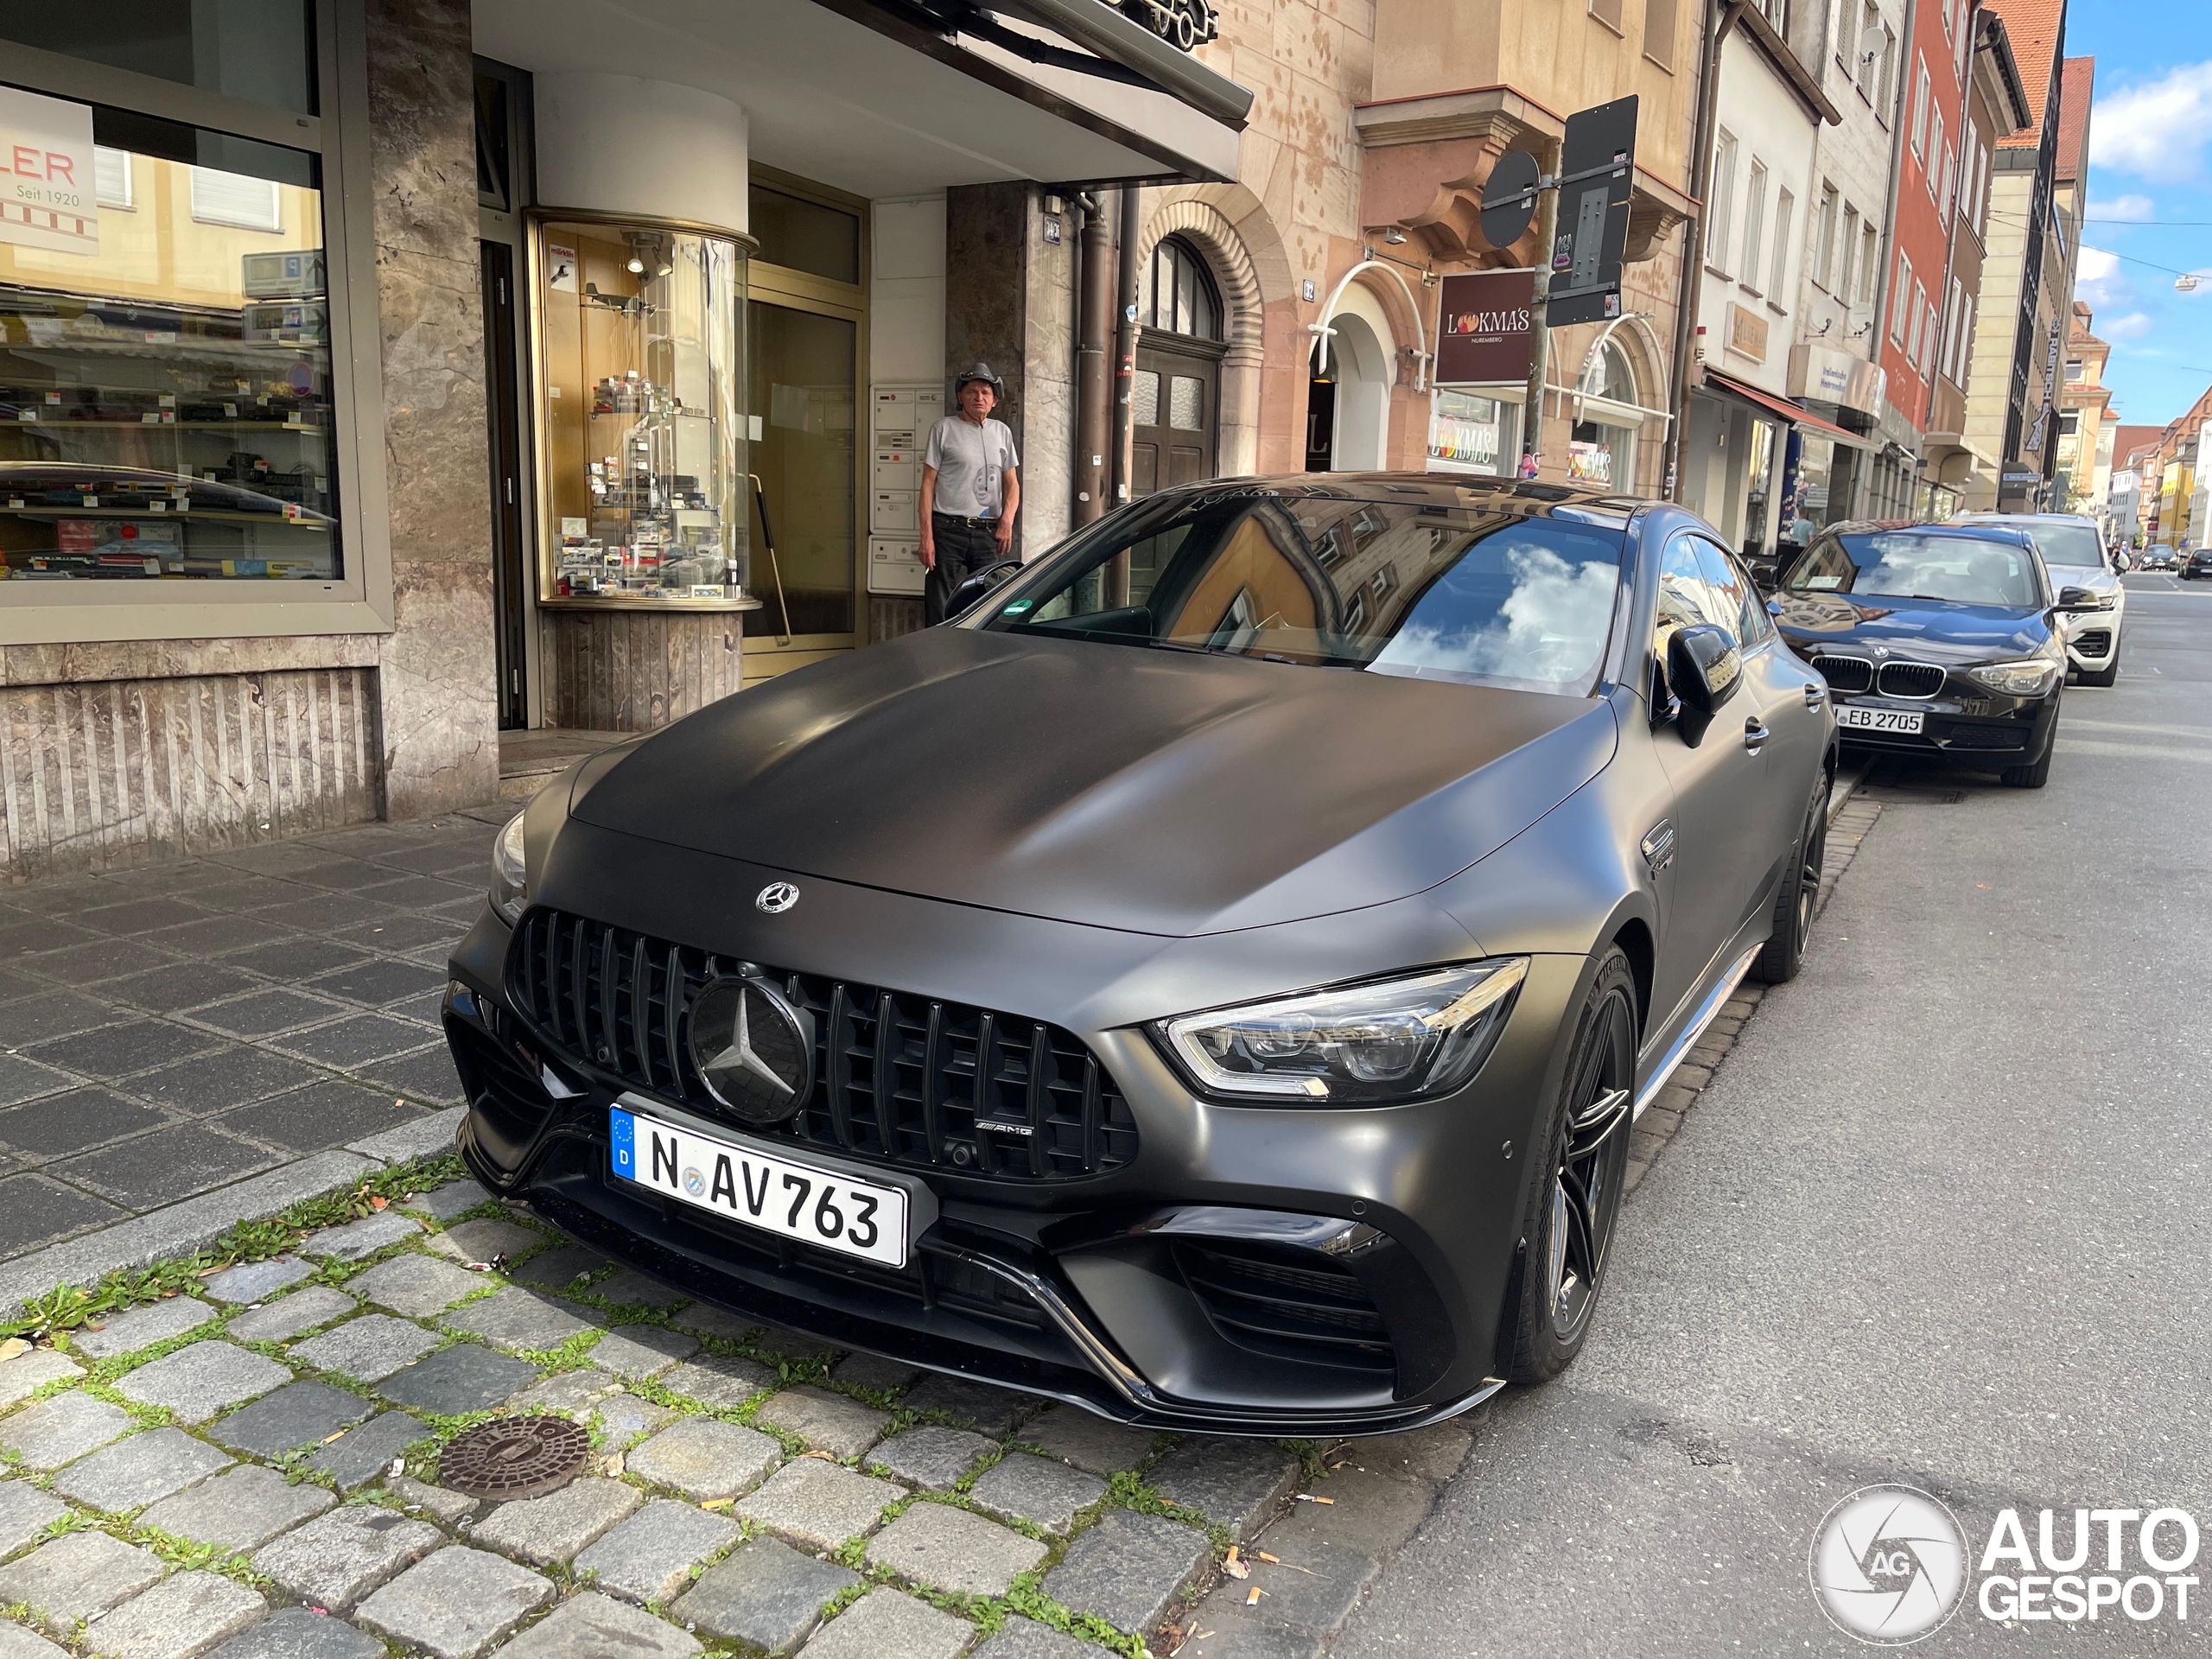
(1178, 296)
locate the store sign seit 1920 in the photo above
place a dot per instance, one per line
(48, 192)
(1487, 317)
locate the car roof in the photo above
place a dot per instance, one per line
(1519, 497)
(1951, 527)
(2026, 517)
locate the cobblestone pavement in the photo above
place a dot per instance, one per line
(177, 1029)
(252, 1471)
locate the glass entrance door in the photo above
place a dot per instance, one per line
(804, 364)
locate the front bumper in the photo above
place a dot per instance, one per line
(1984, 730)
(2092, 639)
(1209, 1285)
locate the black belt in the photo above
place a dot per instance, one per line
(954, 518)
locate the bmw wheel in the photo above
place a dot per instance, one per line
(1784, 951)
(1568, 1229)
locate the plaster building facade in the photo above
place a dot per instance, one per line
(1753, 460)
(2086, 431)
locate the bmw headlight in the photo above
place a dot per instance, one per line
(2032, 678)
(1397, 1039)
(510, 873)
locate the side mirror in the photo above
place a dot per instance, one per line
(2076, 598)
(1704, 667)
(1766, 573)
(963, 597)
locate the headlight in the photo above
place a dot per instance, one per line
(510, 873)
(2028, 679)
(1390, 1040)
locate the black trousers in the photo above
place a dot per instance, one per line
(962, 549)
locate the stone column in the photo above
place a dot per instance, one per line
(437, 673)
(1009, 299)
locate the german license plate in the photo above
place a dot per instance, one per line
(1881, 720)
(778, 1195)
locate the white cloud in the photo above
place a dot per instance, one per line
(2133, 325)
(2132, 209)
(2158, 129)
(2098, 280)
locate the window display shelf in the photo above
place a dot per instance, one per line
(310, 519)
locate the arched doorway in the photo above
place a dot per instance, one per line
(1175, 397)
(1348, 399)
(1601, 446)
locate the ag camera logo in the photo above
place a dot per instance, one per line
(1888, 1565)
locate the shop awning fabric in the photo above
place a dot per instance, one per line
(1796, 414)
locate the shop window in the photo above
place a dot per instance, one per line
(262, 50)
(1472, 433)
(112, 175)
(166, 405)
(236, 199)
(639, 422)
(803, 235)
(1178, 295)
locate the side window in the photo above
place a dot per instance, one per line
(1686, 595)
(1738, 601)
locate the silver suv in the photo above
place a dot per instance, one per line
(2074, 548)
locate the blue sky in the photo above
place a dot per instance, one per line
(2150, 198)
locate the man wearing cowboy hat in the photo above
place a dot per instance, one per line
(970, 491)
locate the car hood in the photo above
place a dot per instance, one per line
(1921, 630)
(1117, 786)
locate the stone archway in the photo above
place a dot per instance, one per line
(1244, 279)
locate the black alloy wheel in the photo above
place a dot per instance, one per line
(1783, 953)
(1567, 1236)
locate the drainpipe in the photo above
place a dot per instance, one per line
(1125, 368)
(1898, 145)
(1093, 393)
(1723, 14)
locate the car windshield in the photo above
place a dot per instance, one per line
(1417, 588)
(2074, 546)
(1907, 564)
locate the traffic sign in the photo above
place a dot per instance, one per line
(1509, 197)
(1596, 173)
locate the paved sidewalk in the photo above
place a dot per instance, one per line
(199, 1031)
(255, 1474)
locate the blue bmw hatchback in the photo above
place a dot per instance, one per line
(1935, 640)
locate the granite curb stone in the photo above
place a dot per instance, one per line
(593, 1626)
(765, 1593)
(650, 1556)
(139, 1471)
(368, 1348)
(195, 1382)
(954, 1550)
(289, 1315)
(704, 1459)
(79, 1575)
(142, 1327)
(338, 1558)
(184, 1614)
(455, 1603)
(240, 1509)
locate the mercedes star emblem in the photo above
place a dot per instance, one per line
(776, 898)
(753, 1049)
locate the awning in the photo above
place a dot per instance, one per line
(1797, 414)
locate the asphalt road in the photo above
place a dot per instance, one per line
(1943, 1217)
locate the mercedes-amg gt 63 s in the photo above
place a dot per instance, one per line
(1211, 980)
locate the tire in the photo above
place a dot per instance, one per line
(1567, 1231)
(2037, 773)
(1783, 953)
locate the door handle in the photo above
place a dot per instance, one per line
(1659, 846)
(1816, 693)
(1755, 735)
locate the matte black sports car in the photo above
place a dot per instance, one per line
(1937, 639)
(1212, 980)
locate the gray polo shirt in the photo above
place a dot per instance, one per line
(970, 463)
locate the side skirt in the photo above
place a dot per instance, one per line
(1707, 1012)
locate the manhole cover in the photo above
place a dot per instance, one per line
(525, 1457)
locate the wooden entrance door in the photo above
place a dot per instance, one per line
(1175, 412)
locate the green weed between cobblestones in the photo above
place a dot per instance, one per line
(185, 1556)
(68, 1307)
